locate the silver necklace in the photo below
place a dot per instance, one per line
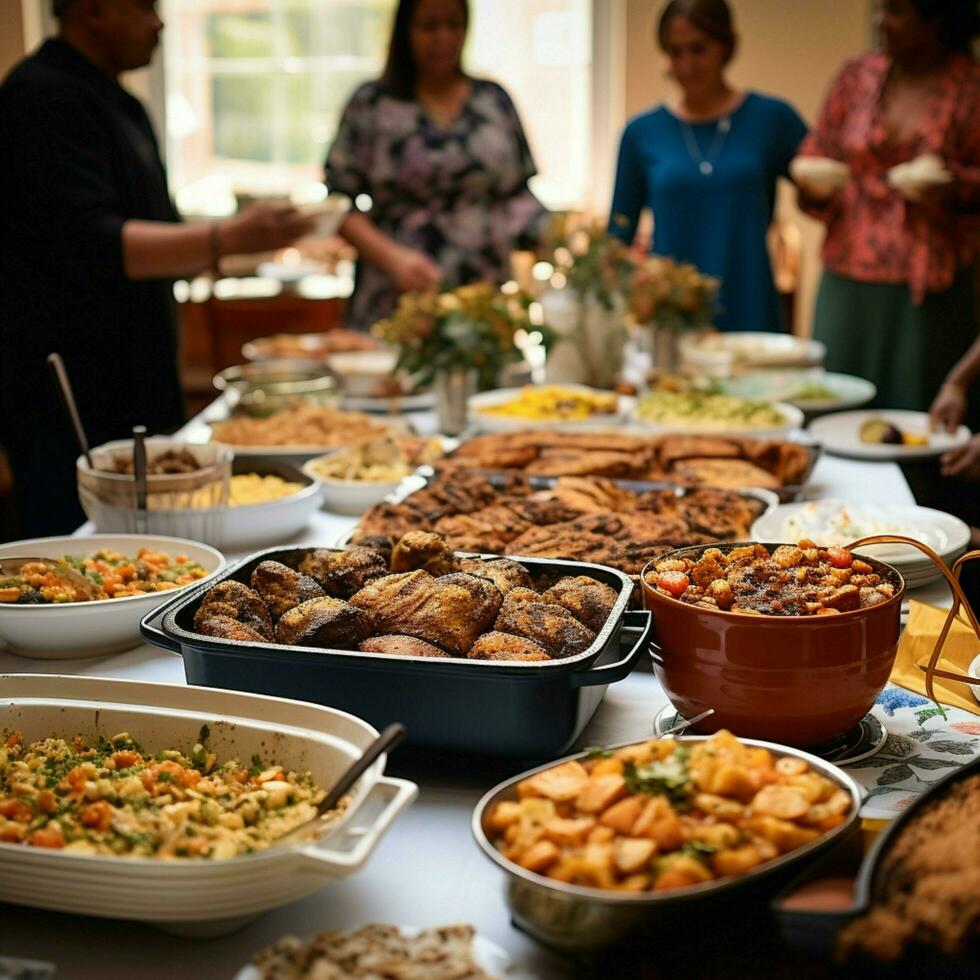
(706, 162)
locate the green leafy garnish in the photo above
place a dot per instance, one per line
(597, 752)
(668, 777)
(698, 850)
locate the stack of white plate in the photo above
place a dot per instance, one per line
(839, 522)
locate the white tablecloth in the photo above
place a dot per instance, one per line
(426, 872)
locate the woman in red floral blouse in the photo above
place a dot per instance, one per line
(896, 302)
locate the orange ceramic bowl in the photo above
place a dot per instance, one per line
(798, 680)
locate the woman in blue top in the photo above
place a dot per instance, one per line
(706, 164)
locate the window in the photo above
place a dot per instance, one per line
(254, 89)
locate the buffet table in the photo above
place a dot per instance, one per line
(427, 870)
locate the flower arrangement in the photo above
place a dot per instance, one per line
(671, 294)
(593, 262)
(470, 327)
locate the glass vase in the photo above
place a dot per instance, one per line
(453, 387)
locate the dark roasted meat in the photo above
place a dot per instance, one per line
(506, 646)
(425, 550)
(281, 588)
(238, 602)
(589, 601)
(342, 573)
(404, 646)
(324, 622)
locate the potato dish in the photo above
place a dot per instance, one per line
(553, 403)
(300, 425)
(659, 815)
(708, 409)
(114, 575)
(795, 580)
(385, 459)
(113, 797)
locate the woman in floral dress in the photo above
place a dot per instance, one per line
(444, 160)
(896, 301)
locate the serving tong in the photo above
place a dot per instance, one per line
(385, 742)
(960, 602)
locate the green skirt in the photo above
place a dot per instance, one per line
(875, 331)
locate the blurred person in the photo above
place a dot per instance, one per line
(896, 301)
(89, 245)
(706, 163)
(444, 160)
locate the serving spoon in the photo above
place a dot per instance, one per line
(385, 742)
(13, 565)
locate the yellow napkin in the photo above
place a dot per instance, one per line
(916, 646)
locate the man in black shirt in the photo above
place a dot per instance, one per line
(89, 245)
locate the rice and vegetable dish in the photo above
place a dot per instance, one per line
(113, 574)
(113, 797)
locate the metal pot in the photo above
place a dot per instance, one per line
(577, 919)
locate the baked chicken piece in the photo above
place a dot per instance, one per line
(425, 550)
(342, 573)
(587, 599)
(506, 646)
(503, 572)
(450, 612)
(549, 625)
(226, 628)
(405, 646)
(238, 602)
(323, 622)
(573, 462)
(281, 588)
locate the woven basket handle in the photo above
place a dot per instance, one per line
(960, 601)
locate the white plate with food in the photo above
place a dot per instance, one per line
(836, 523)
(299, 432)
(134, 573)
(569, 407)
(884, 435)
(307, 346)
(812, 391)
(354, 480)
(149, 873)
(446, 951)
(745, 348)
(709, 413)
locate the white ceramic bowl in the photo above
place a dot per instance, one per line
(350, 497)
(197, 897)
(73, 630)
(326, 215)
(254, 526)
(364, 373)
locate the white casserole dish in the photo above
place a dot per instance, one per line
(196, 897)
(74, 630)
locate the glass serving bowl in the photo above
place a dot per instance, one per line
(265, 387)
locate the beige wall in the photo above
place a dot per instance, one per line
(11, 34)
(789, 48)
